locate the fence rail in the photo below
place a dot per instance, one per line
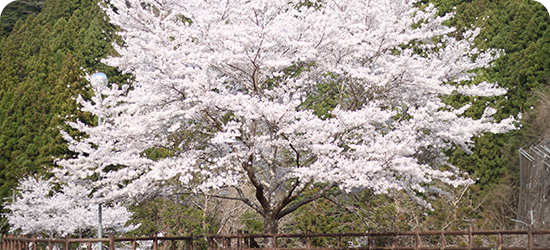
(244, 241)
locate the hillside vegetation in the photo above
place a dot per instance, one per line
(47, 46)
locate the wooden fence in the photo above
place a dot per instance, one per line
(417, 240)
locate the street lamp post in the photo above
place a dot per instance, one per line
(99, 78)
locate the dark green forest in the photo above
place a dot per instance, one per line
(46, 46)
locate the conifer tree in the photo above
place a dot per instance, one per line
(18, 10)
(41, 73)
(520, 28)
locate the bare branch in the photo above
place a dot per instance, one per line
(305, 201)
(244, 200)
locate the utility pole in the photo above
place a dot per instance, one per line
(99, 78)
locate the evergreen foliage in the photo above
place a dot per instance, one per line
(18, 10)
(173, 217)
(520, 28)
(42, 61)
(44, 44)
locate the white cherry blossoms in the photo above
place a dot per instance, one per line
(226, 89)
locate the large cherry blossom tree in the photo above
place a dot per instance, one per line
(226, 90)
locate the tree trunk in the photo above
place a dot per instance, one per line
(271, 224)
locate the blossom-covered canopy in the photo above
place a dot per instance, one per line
(226, 89)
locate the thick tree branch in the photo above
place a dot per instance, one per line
(289, 197)
(305, 201)
(244, 200)
(259, 187)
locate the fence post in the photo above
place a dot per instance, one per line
(155, 242)
(89, 245)
(393, 241)
(25, 244)
(239, 239)
(226, 242)
(67, 242)
(338, 241)
(308, 239)
(443, 240)
(370, 240)
(246, 239)
(530, 238)
(275, 241)
(418, 242)
(191, 247)
(50, 245)
(18, 245)
(34, 246)
(499, 241)
(470, 237)
(112, 242)
(134, 244)
(210, 240)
